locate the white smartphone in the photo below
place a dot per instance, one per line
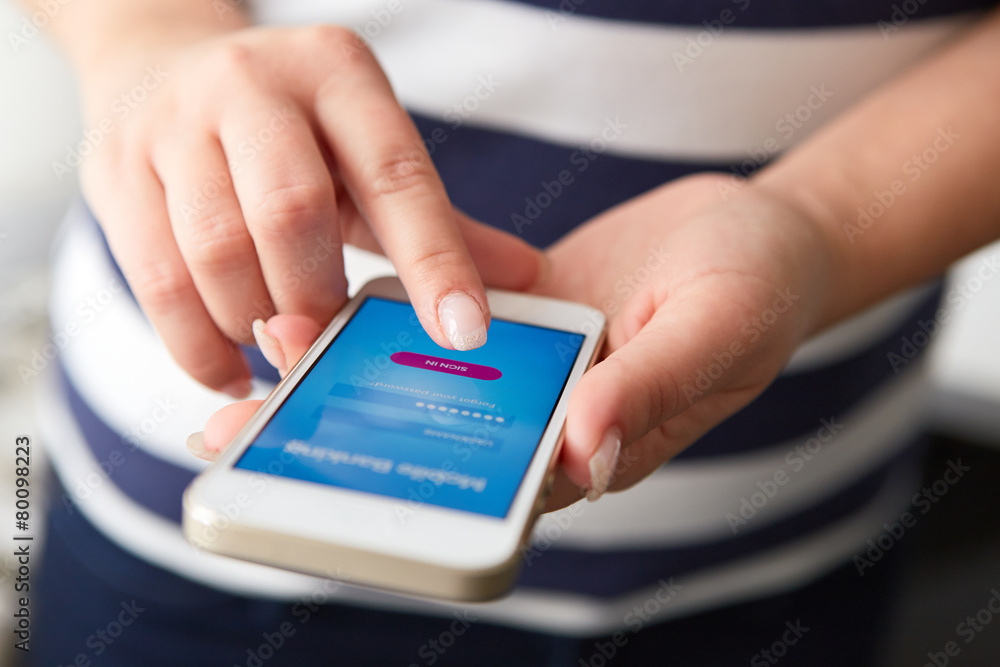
(386, 460)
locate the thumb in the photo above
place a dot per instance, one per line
(616, 401)
(282, 340)
(639, 407)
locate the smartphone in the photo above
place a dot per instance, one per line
(386, 460)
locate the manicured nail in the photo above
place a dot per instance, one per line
(603, 462)
(462, 321)
(269, 347)
(238, 388)
(196, 445)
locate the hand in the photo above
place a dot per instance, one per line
(706, 300)
(238, 164)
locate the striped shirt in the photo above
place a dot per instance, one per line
(539, 115)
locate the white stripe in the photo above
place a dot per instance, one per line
(160, 543)
(692, 500)
(857, 333)
(963, 362)
(563, 82)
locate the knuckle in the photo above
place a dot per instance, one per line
(656, 387)
(231, 59)
(161, 288)
(217, 244)
(294, 208)
(330, 35)
(664, 397)
(339, 40)
(210, 370)
(430, 261)
(398, 172)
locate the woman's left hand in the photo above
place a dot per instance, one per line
(706, 300)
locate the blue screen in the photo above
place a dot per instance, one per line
(385, 410)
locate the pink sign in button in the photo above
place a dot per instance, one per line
(440, 365)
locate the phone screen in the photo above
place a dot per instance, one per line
(387, 411)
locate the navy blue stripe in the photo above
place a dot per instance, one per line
(508, 180)
(622, 571)
(754, 13)
(150, 481)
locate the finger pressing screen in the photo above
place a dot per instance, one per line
(391, 179)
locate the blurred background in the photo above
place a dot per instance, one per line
(956, 548)
(38, 119)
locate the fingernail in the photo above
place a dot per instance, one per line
(269, 347)
(462, 321)
(603, 462)
(196, 445)
(238, 388)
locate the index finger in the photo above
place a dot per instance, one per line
(389, 175)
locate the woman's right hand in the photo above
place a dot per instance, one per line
(237, 165)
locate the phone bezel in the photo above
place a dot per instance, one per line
(441, 539)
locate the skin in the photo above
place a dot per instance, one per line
(732, 247)
(252, 150)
